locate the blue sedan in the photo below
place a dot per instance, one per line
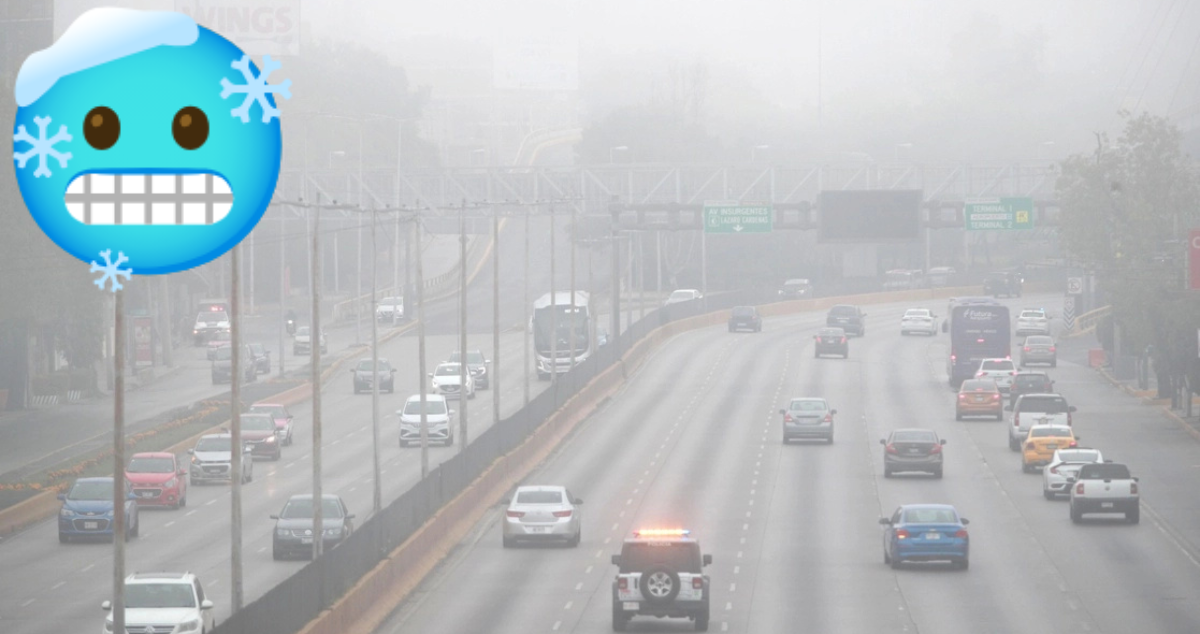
(87, 510)
(926, 532)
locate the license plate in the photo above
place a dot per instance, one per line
(538, 529)
(91, 525)
(1051, 446)
(630, 605)
(1106, 505)
(147, 494)
(914, 451)
(933, 535)
(305, 540)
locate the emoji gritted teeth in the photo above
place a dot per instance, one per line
(126, 139)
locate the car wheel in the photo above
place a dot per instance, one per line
(999, 416)
(137, 525)
(183, 501)
(937, 474)
(887, 559)
(619, 620)
(829, 440)
(276, 553)
(816, 355)
(507, 541)
(1054, 364)
(1134, 516)
(958, 416)
(964, 563)
(1076, 516)
(887, 473)
(403, 444)
(1048, 494)
(64, 539)
(1013, 445)
(895, 563)
(278, 455)
(702, 622)
(574, 541)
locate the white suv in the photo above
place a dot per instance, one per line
(661, 575)
(437, 420)
(164, 603)
(1033, 321)
(1001, 371)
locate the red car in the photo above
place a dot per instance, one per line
(283, 419)
(258, 431)
(157, 479)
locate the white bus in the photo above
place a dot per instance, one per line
(562, 326)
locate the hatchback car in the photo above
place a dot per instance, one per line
(477, 364)
(212, 460)
(283, 419)
(365, 377)
(1041, 443)
(217, 340)
(87, 511)
(390, 309)
(447, 381)
(831, 341)
(807, 418)
(848, 318)
(294, 524)
(260, 434)
(437, 420)
(222, 365)
(979, 397)
(164, 602)
(542, 513)
(1029, 382)
(1033, 321)
(1065, 465)
(1039, 349)
(683, 295)
(157, 479)
(912, 450)
(920, 320)
(926, 532)
(745, 318)
(1001, 371)
(302, 341)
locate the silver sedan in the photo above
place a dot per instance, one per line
(542, 513)
(1065, 464)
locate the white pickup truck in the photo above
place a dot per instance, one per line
(1036, 409)
(1104, 487)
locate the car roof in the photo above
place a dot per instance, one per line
(381, 359)
(428, 397)
(796, 280)
(907, 507)
(153, 454)
(95, 479)
(158, 577)
(222, 436)
(260, 404)
(308, 496)
(541, 487)
(911, 429)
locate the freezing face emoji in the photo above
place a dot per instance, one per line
(142, 133)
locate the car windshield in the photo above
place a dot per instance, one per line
(276, 411)
(539, 497)
(474, 357)
(914, 436)
(159, 595)
(678, 296)
(1033, 314)
(391, 301)
(979, 386)
(212, 317)
(258, 422)
(843, 311)
(151, 465)
(213, 444)
(448, 369)
(1039, 340)
(917, 312)
(807, 405)
(302, 508)
(678, 556)
(831, 332)
(796, 283)
(998, 364)
(413, 407)
(1104, 471)
(365, 365)
(1046, 404)
(1079, 455)
(92, 490)
(1031, 380)
(1051, 432)
(930, 516)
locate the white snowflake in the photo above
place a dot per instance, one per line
(111, 270)
(255, 88)
(41, 147)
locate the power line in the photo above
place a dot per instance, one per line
(1161, 55)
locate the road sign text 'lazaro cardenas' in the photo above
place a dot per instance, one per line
(738, 218)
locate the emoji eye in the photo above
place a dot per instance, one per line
(101, 127)
(190, 128)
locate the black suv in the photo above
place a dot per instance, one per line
(831, 341)
(1029, 383)
(661, 575)
(745, 317)
(849, 318)
(363, 376)
(1003, 283)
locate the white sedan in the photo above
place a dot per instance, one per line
(1033, 321)
(1065, 464)
(447, 381)
(920, 320)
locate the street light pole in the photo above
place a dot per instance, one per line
(377, 493)
(314, 339)
(424, 432)
(494, 377)
(235, 444)
(283, 291)
(462, 307)
(526, 323)
(553, 311)
(119, 495)
(574, 309)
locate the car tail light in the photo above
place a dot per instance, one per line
(787, 418)
(1016, 422)
(996, 396)
(829, 418)
(1052, 348)
(697, 583)
(1079, 489)
(562, 514)
(962, 397)
(936, 449)
(1029, 446)
(1073, 444)
(1026, 348)
(515, 514)
(890, 448)
(1133, 488)
(622, 583)
(843, 340)
(961, 533)
(953, 357)
(901, 533)
(1054, 470)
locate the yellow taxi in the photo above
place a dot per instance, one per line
(1042, 441)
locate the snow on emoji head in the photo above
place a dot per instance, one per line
(140, 131)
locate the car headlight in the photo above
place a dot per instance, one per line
(269, 439)
(194, 624)
(333, 532)
(66, 512)
(170, 484)
(282, 532)
(195, 461)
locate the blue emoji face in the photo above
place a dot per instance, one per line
(167, 150)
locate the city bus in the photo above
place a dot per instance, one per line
(562, 326)
(979, 328)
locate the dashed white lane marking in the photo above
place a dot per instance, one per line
(579, 586)
(598, 553)
(144, 535)
(745, 527)
(568, 605)
(737, 569)
(622, 514)
(89, 567)
(170, 524)
(58, 585)
(614, 527)
(353, 489)
(724, 626)
(747, 513)
(635, 491)
(588, 571)
(191, 512)
(732, 587)
(607, 539)
(263, 549)
(743, 540)
(557, 624)
(729, 606)
(337, 441)
(629, 501)
(647, 472)
(209, 503)
(27, 602)
(289, 465)
(739, 554)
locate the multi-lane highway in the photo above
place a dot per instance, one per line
(693, 441)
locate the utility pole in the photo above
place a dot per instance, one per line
(616, 281)
(235, 443)
(494, 379)
(377, 494)
(629, 263)
(553, 312)
(358, 281)
(398, 291)
(119, 496)
(574, 308)
(526, 323)
(164, 322)
(315, 350)
(250, 276)
(283, 291)
(421, 354)
(641, 274)
(462, 308)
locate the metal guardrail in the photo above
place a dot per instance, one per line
(1086, 323)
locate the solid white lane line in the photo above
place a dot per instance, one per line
(58, 585)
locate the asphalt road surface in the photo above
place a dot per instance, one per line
(694, 441)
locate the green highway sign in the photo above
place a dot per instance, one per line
(1005, 214)
(736, 217)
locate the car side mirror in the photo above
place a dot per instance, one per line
(833, 411)
(1135, 479)
(1071, 408)
(616, 560)
(107, 605)
(883, 441)
(62, 496)
(942, 441)
(577, 501)
(206, 605)
(274, 517)
(181, 472)
(708, 560)
(350, 516)
(964, 521)
(191, 451)
(783, 411)
(885, 521)
(431, 375)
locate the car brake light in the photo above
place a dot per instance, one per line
(1054, 470)
(996, 396)
(515, 514)
(1133, 488)
(787, 418)
(622, 583)
(1079, 489)
(901, 533)
(829, 418)
(697, 583)
(562, 514)
(890, 448)
(1052, 348)
(979, 374)
(1073, 444)
(961, 533)
(1026, 348)
(953, 357)
(962, 397)
(843, 340)
(936, 449)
